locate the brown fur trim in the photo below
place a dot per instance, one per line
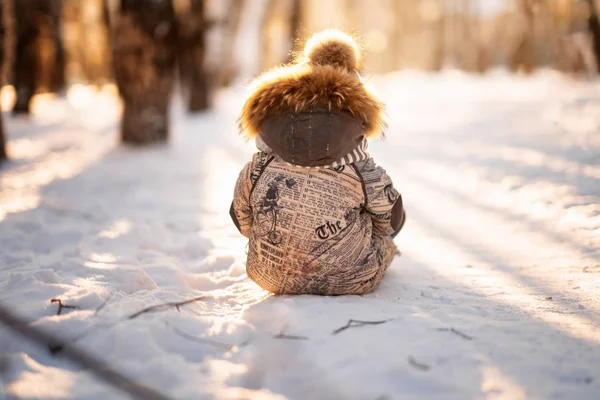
(300, 87)
(332, 47)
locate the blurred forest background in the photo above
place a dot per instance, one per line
(151, 48)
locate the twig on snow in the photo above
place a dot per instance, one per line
(104, 303)
(61, 305)
(282, 335)
(166, 306)
(74, 213)
(354, 323)
(290, 337)
(456, 332)
(213, 343)
(418, 365)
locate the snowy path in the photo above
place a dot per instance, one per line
(496, 295)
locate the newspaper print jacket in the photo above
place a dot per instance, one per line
(316, 230)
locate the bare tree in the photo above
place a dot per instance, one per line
(265, 43)
(191, 56)
(39, 55)
(228, 68)
(144, 57)
(295, 23)
(87, 42)
(25, 71)
(594, 27)
(397, 8)
(57, 78)
(280, 28)
(521, 56)
(439, 52)
(2, 39)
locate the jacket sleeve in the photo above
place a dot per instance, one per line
(241, 211)
(383, 201)
(241, 208)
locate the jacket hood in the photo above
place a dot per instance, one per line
(315, 138)
(316, 110)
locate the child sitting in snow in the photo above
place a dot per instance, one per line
(320, 215)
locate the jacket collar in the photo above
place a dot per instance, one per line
(360, 153)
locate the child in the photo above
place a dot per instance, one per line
(320, 215)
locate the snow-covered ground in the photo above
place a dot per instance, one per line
(496, 294)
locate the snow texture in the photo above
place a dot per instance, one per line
(495, 296)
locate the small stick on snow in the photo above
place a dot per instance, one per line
(104, 303)
(418, 365)
(457, 332)
(354, 323)
(282, 335)
(196, 339)
(163, 307)
(74, 213)
(290, 337)
(61, 305)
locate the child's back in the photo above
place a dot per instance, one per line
(318, 212)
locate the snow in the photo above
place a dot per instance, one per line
(495, 295)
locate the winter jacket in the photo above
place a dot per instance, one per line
(318, 212)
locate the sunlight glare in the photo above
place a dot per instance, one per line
(101, 261)
(80, 96)
(19, 202)
(499, 387)
(119, 227)
(222, 370)
(41, 382)
(7, 97)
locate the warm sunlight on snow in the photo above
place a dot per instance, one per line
(481, 276)
(498, 386)
(39, 381)
(51, 153)
(495, 294)
(7, 97)
(116, 229)
(101, 261)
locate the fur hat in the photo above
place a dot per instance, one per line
(325, 76)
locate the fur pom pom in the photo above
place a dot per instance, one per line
(333, 47)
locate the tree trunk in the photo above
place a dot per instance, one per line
(192, 50)
(144, 56)
(2, 40)
(594, 27)
(39, 53)
(398, 10)
(295, 23)
(2, 139)
(229, 67)
(106, 18)
(439, 52)
(25, 63)
(466, 49)
(58, 79)
(522, 55)
(265, 42)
